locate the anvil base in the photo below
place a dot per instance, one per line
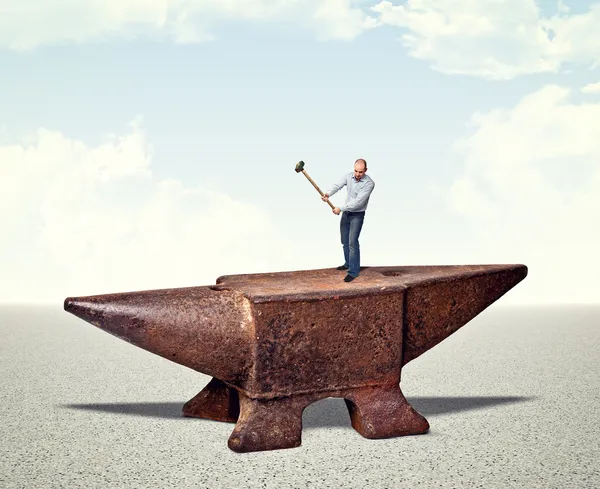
(378, 411)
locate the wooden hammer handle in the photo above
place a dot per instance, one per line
(317, 187)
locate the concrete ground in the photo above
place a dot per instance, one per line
(513, 400)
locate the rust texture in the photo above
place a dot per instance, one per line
(274, 343)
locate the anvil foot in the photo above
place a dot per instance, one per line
(267, 424)
(383, 412)
(217, 401)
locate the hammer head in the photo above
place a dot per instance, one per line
(299, 166)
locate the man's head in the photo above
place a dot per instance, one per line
(360, 168)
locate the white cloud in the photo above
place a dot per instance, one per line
(81, 220)
(27, 24)
(486, 38)
(591, 88)
(494, 39)
(336, 20)
(531, 188)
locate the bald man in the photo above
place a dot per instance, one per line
(359, 187)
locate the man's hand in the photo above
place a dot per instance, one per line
(325, 197)
(336, 210)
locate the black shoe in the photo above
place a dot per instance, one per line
(342, 267)
(349, 278)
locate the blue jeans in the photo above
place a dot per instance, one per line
(350, 227)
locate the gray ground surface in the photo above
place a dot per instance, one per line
(512, 399)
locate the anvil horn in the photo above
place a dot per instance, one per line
(202, 328)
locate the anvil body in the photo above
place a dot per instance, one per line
(276, 342)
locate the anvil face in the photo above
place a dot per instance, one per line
(290, 338)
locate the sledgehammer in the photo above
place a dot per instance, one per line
(299, 169)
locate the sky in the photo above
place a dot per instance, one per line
(152, 144)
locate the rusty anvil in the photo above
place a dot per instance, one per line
(276, 342)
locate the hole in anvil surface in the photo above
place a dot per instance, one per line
(218, 288)
(393, 273)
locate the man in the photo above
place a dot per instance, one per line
(359, 188)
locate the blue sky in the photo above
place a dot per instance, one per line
(135, 153)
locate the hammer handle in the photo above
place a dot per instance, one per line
(317, 187)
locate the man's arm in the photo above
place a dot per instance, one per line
(339, 185)
(360, 199)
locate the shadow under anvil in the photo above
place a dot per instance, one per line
(327, 413)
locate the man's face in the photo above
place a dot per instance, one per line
(359, 170)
